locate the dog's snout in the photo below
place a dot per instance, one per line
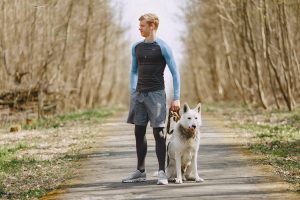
(194, 126)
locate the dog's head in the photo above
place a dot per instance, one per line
(191, 118)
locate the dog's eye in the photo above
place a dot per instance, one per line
(196, 117)
(189, 118)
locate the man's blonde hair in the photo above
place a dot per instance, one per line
(150, 18)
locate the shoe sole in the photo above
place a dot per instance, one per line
(162, 182)
(134, 180)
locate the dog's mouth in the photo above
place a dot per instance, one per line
(191, 131)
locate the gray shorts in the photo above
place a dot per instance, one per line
(148, 106)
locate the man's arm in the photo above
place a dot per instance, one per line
(167, 53)
(134, 71)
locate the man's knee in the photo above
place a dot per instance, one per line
(159, 133)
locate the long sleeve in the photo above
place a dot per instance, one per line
(167, 53)
(134, 70)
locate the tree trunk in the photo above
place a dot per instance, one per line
(253, 49)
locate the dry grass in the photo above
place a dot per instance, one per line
(33, 162)
(275, 135)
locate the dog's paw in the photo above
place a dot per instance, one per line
(172, 180)
(199, 179)
(178, 180)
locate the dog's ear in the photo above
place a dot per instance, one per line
(186, 108)
(198, 108)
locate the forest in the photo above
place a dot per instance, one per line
(243, 51)
(61, 55)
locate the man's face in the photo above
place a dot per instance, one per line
(144, 28)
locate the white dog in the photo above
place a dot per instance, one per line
(183, 146)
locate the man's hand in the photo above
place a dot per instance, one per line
(175, 105)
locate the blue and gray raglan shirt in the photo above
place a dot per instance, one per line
(148, 64)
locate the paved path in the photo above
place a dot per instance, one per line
(228, 173)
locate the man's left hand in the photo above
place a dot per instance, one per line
(175, 105)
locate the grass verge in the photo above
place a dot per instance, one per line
(45, 153)
(92, 115)
(273, 134)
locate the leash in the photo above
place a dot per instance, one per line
(175, 116)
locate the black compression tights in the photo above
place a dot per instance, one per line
(141, 146)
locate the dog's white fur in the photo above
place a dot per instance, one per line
(182, 149)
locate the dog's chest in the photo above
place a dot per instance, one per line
(187, 146)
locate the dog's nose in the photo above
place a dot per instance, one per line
(194, 126)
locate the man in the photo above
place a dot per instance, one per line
(148, 97)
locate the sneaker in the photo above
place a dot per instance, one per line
(136, 176)
(162, 178)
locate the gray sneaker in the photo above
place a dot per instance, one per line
(136, 176)
(162, 178)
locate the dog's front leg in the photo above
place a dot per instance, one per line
(178, 168)
(195, 170)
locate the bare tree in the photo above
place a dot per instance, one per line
(64, 52)
(247, 49)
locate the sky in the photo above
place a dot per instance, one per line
(171, 26)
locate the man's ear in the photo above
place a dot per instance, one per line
(152, 26)
(186, 108)
(198, 108)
